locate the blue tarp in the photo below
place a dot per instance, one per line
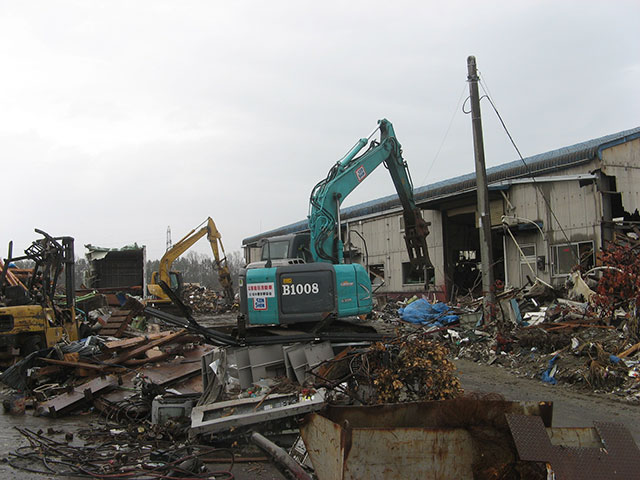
(423, 312)
(548, 374)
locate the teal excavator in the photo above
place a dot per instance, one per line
(285, 289)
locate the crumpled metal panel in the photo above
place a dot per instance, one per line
(619, 459)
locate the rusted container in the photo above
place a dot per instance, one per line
(403, 441)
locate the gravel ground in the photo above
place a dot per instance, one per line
(571, 408)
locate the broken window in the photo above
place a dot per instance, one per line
(414, 276)
(567, 256)
(376, 274)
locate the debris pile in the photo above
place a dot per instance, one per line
(204, 300)
(105, 374)
(564, 342)
(181, 394)
(586, 334)
(408, 368)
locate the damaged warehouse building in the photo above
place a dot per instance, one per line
(549, 212)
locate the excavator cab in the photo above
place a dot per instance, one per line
(295, 246)
(176, 282)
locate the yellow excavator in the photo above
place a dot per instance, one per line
(174, 279)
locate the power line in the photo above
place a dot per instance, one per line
(535, 182)
(453, 116)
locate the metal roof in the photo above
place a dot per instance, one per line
(543, 163)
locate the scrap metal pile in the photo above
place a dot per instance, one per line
(172, 405)
(107, 375)
(170, 385)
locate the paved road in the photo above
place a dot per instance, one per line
(570, 407)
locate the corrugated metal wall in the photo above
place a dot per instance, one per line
(386, 246)
(577, 209)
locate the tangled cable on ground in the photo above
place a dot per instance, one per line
(115, 457)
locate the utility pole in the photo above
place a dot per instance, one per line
(483, 209)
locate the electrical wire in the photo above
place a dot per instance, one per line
(446, 134)
(535, 182)
(121, 458)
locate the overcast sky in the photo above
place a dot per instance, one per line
(120, 118)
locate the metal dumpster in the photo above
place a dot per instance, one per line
(405, 441)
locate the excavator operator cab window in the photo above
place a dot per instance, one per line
(175, 281)
(301, 248)
(275, 250)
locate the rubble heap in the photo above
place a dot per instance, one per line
(405, 369)
(165, 394)
(410, 369)
(203, 300)
(586, 334)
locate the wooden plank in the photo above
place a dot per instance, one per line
(629, 351)
(132, 342)
(117, 322)
(142, 361)
(177, 370)
(110, 332)
(137, 351)
(65, 363)
(126, 323)
(155, 352)
(48, 370)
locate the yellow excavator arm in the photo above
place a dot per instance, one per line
(215, 239)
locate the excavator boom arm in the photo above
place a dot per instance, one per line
(215, 240)
(344, 177)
